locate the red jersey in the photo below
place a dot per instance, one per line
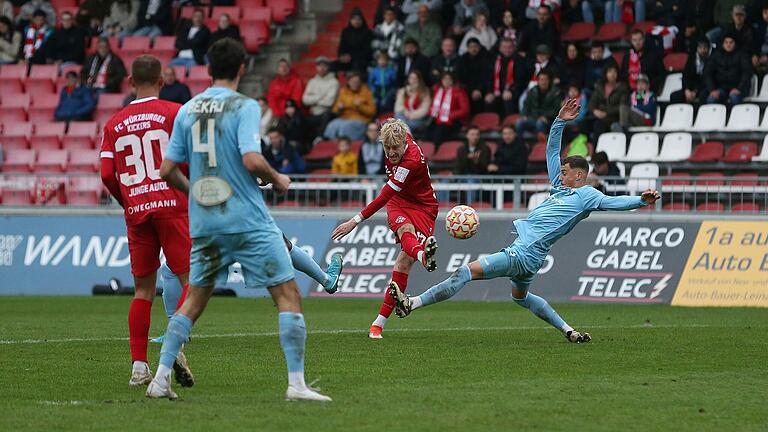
(136, 138)
(411, 179)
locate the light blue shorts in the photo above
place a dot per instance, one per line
(507, 263)
(262, 254)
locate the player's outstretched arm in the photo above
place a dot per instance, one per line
(626, 202)
(255, 163)
(170, 172)
(569, 111)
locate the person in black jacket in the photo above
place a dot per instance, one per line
(472, 74)
(445, 61)
(728, 74)
(154, 18)
(573, 67)
(511, 157)
(192, 41)
(541, 31)
(506, 79)
(355, 51)
(226, 29)
(594, 67)
(370, 158)
(412, 59)
(694, 88)
(642, 60)
(172, 90)
(104, 71)
(66, 44)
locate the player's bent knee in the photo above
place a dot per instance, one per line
(406, 228)
(196, 301)
(145, 286)
(286, 296)
(403, 263)
(519, 293)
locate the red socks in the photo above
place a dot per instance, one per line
(411, 245)
(182, 296)
(139, 316)
(401, 279)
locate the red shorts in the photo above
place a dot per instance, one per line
(423, 221)
(171, 233)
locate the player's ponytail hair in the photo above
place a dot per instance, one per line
(393, 131)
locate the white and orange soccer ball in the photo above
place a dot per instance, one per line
(462, 222)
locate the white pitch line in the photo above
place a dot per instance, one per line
(352, 331)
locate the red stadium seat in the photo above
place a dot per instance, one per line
(197, 86)
(447, 151)
(355, 145)
(486, 121)
(538, 152)
(710, 151)
(188, 11)
(10, 86)
(746, 208)
(618, 57)
(611, 32)
(16, 135)
(110, 100)
(199, 72)
(711, 178)
(18, 195)
(234, 13)
(139, 44)
(579, 31)
(714, 207)
(42, 79)
(322, 150)
(492, 146)
(103, 115)
(47, 136)
(675, 62)
(52, 161)
(64, 3)
(282, 9)
(70, 67)
(510, 120)
(742, 151)
(257, 14)
(83, 160)
(14, 109)
(255, 34)
(644, 26)
(305, 70)
(80, 135)
(428, 148)
(677, 207)
(745, 179)
(114, 44)
(164, 45)
(84, 190)
(13, 71)
(43, 107)
(677, 181)
(19, 161)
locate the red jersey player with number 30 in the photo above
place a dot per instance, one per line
(411, 210)
(155, 214)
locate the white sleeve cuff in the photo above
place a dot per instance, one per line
(394, 186)
(107, 155)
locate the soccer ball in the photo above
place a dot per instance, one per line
(462, 222)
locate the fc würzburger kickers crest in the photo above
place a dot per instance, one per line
(369, 253)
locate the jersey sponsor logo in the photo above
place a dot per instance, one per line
(401, 174)
(152, 187)
(400, 219)
(151, 206)
(210, 191)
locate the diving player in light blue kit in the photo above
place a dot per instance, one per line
(217, 133)
(571, 200)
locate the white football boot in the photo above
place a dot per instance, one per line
(307, 393)
(141, 375)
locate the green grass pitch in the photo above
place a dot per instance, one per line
(455, 366)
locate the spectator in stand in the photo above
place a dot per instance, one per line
(573, 91)
(573, 68)
(154, 18)
(594, 68)
(226, 29)
(540, 107)
(345, 160)
(507, 30)
(282, 156)
(728, 74)
(382, 82)
(388, 35)
(425, 32)
(474, 156)
(641, 110)
(10, 42)
(612, 10)
(450, 109)
(472, 71)
(699, 19)
(742, 32)
(28, 9)
(641, 59)
(173, 90)
(192, 41)
(571, 13)
(76, 102)
(286, 85)
(65, 46)
(6, 9)
(446, 61)
(35, 35)
(412, 60)
(396, 5)
(320, 95)
(103, 71)
(760, 45)
(413, 102)
(541, 31)
(355, 108)
(604, 103)
(543, 61)
(122, 18)
(92, 12)
(603, 167)
(482, 32)
(355, 45)
(293, 126)
(267, 120)
(411, 8)
(370, 157)
(722, 13)
(511, 157)
(694, 87)
(465, 11)
(533, 5)
(507, 80)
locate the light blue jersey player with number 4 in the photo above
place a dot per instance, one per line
(217, 134)
(570, 201)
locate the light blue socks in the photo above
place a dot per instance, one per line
(176, 335)
(447, 288)
(541, 309)
(293, 337)
(305, 264)
(171, 289)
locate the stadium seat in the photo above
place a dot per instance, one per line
(447, 151)
(114, 44)
(642, 147)
(614, 144)
(110, 101)
(18, 71)
(164, 45)
(83, 160)
(305, 70)
(642, 176)
(753, 83)
(492, 146)
(510, 120)
(428, 148)
(42, 79)
(535, 199)
(104, 114)
(258, 14)
(19, 161)
(677, 207)
(84, 191)
(742, 151)
(136, 44)
(486, 121)
(710, 117)
(710, 151)
(14, 109)
(710, 178)
(197, 86)
(611, 32)
(711, 207)
(644, 26)
(43, 108)
(234, 13)
(17, 195)
(52, 161)
(47, 136)
(322, 150)
(579, 31)
(677, 179)
(199, 72)
(16, 135)
(745, 179)
(255, 35)
(746, 208)
(10, 86)
(672, 83)
(676, 147)
(78, 133)
(762, 95)
(763, 156)
(538, 152)
(675, 62)
(282, 9)
(743, 117)
(677, 117)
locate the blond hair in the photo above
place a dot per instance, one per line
(393, 132)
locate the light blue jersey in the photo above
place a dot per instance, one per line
(211, 133)
(564, 208)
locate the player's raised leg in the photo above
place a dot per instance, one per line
(304, 263)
